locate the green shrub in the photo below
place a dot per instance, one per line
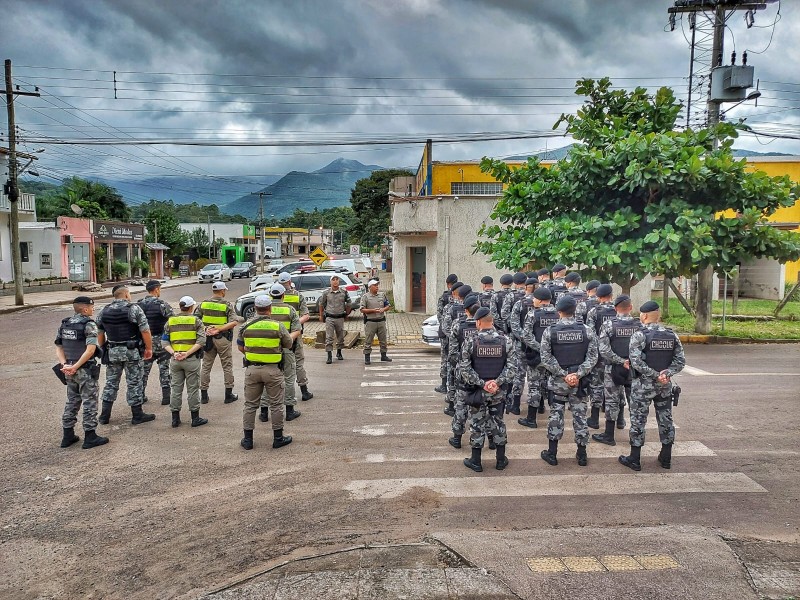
(99, 264)
(141, 265)
(119, 269)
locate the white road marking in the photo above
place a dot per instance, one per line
(399, 394)
(558, 485)
(407, 373)
(443, 428)
(372, 369)
(695, 371)
(425, 382)
(380, 413)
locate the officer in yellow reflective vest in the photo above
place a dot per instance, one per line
(295, 299)
(262, 340)
(184, 337)
(219, 317)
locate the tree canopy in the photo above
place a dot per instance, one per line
(370, 203)
(188, 213)
(97, 201)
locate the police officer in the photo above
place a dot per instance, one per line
(499, 299)
(487, 365)
(573, 282)
(334, 307)
(441, 304)
(297, 302)
(558, 285)
(374, 305)
(157, 312)
(287, 316)
(615, 339)
(487, 291)
(569, 352)
(516, 294)
(544, 276)
(537, 320)
(124, 328)
(76, 347)
(262, 341)
(656, 355)
(517, 323)
(590, 301)
(183, 339)
(453, 313)
(597, 315)
(460, 332)
(219, 317)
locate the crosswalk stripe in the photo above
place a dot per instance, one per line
(381, 413)
(404, 373)
(397, 395)
(423, 367)
(532, 451)
(558, 485)
(381, 429)
(425, 382)
(695, 371)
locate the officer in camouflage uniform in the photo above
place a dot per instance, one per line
(487, 364)
(597, 315)
(499, 299)
(441, 304)
(487, 291)
(537, 320)
(573, 282)
(461, 330)
(453, 313)
(569, 352)
(76, 345)
(558, 285)
(543, 275)
(286, 315)
(157, 312)
(334, 307)
(516, 323)
(656, 355)
(615, 339)
(295, 299)
(220, 319)
(123, 326)
(183, 339)
(513, 296)
(590, 301)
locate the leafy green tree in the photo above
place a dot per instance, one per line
(97, 201)
(162, 220)
(197, 239)
(637, 197)
(189, 213)
(370, 201)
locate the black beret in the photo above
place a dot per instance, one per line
(649, 306)
(470, 300)
(486, 279)
(83, 300)
(541, 272)
(482, 313)
(530, 274)
(604, 289)
(559, 267)
(152, 284)
(593, 284)
(620, 299)
(456, 285)
(464, 291)
(519, 278)
(543, 293)
(531, 281)
(506, 279)
(118, 287)
(452, 278)
(573, 277)
(566, 303)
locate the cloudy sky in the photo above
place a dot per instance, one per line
(351, 73)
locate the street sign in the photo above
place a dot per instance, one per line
(355, 250)
(318, 256)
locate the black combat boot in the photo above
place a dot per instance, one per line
(139, 417)
(530, 419)
(339, 355)
(442, 389)
(450, 409)
(203, 396)
(197, 420)
(247, 440)
(366, 359)
(502, 461)
(541, 406)
(549, 455)
(279, 440)
(385, 357)
(145, 399)
(330, 360)
(474, 461)
(165, 396)
(607, 437)
(69, 437)
(305, 394)
(665, 456)
(455, 441)
(176, 418)
(515, 404)
(230, 396)
(594, 420)
(105, 413)
(581, 455)
(91, 439)
(291, 413)
(621, 417)
(634, 460)
(263, 415)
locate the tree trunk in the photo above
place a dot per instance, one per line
(705, 283)
(680, 297)
(665, 298)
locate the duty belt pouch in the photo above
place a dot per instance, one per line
(620, 375)
(532, 357)
(281, 362)
(57, 370)
(473, 396)
(94, 371)
(132, 344)
(228, 335)
(209, 343)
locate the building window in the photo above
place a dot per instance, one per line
(46, 261)
(468, 188)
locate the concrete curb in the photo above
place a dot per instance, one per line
(721, 339)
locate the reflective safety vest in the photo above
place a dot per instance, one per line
(620, 337)
(214, 313)
(659, 348)
(282, 314)
(489, 358)
(292, 299)
(182, 332)
(73, 338)
(569, 344)
(262, 342)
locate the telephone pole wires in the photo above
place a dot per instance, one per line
(261, 224)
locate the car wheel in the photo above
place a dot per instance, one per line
(249, 311)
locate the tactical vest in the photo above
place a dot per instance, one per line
(489, 358)
(182, 332)
(73, 338)
(262, 342)
(603, 314)
(659, 348)
(569, 343)
(590, 303)
(214, 312)
(485, 298)
(499, 299)
(468, 328)
(292, 299)
(578, 294)
(621, 332)
(446, 295)
(117, 324)
(457, 312)
(155, 318)
(527, 304)
(542, 319)
(557, 289)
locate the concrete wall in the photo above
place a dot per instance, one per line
(763, 278)
(42, 239)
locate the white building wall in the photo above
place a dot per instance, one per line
(42, 238)
(762, 278)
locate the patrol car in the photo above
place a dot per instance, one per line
(430, 332)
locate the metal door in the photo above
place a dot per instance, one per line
(79, 265)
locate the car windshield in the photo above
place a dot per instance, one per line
(212, 267)
(243, 265)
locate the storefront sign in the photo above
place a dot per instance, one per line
(112, 231)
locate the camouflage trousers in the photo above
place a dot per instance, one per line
(537, 386)
(81, 389)
(555, 425)
(444, 350)
(163, 366)
(615, 396)
(459, 422)
(487, 420)
(520, 370)
(641, 397)
(451, 382)
(597, 385)
(133, 378)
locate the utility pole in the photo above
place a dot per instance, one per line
(11, 187)
(261, 224)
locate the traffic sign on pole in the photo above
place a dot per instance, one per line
(318, 256)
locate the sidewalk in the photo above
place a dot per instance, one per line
(404, 329)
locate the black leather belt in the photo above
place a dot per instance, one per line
(341, 316)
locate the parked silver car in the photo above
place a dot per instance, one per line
(214, 272)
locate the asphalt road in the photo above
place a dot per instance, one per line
(162, 512)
